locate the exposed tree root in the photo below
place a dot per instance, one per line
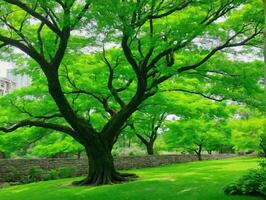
(106, 178)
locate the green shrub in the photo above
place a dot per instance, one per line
(252, 183)
(263, 188)
(65, 172)
(35, 174)
(51, 175)
(262, 164)
(25, 179)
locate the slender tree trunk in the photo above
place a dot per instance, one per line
(264, 152)
(149, 143)
(221, 150)
(79, 154)
(199, 153)
(2, 155)
(129, 142)
(199, 156)
(209, 152)
(263, 146)
(149, 147)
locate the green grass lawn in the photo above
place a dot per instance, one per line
(188, 181)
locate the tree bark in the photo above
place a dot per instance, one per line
(101, 166)
(199, 156)
(79, 154)
(2, 155)
(149, 147)
(263, 146)
(148, 144)
(198, 152)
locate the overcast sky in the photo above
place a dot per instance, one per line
(3, 67)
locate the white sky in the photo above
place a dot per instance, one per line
(2, 72)
(3, 67)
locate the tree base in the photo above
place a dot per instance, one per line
(114, 178)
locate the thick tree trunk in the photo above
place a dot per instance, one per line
(101, 167)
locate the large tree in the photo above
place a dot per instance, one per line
(159, 41)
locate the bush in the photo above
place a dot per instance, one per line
(262, 164)
(65, 172)
(263, 188)
(35, 174)
(252, 183)
(51, 175)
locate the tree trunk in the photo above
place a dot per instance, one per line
(129, 142)
(264, 152)
(2, 155)
(149, 147)
(101, 167)
(263, 148)
(199, 156)
(199, 153)
(79, 154)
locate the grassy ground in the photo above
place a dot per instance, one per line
(189, 181)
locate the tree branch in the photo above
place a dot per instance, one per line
(214, 14)
(25, 123)
(110, 80)
(81, 14)
(194, 92)
(29, 51)
(174, 8)
(32, 12)
(227, 44)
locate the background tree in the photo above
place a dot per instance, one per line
(248, 131)
(195, 136)
(147, 128)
